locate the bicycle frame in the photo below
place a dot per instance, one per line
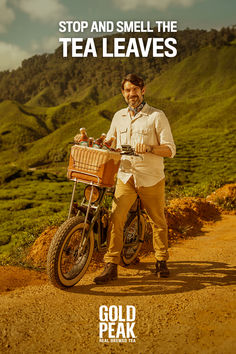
(96, 210)
(126, 150)
(88, 205)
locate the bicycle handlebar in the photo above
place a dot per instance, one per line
(128, 150)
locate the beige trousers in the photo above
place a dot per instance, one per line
(153, 200)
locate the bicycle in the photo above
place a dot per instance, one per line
(72, 246)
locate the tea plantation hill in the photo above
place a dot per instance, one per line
(198, 95)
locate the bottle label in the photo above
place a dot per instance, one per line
(96, 146)
(83, 143)
(105, 147)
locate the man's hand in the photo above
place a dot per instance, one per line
(159, 150)
(142, 148)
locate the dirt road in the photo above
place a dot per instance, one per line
(191, 312)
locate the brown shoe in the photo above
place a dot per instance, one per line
(109, 273)
(162, 269)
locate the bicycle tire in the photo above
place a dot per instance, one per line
(60, 248)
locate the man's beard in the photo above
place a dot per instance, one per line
(134, 101)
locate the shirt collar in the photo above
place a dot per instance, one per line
(137, 109)
(144, 110)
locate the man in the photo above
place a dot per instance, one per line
(147, 130)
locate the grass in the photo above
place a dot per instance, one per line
(28, 205)
(226, 203)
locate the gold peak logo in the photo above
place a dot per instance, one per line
(117, 325)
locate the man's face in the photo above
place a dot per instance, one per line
(133, 95)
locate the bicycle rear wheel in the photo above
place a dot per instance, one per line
(133, 238)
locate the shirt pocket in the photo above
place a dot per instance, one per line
(123, 136)
(143, 135)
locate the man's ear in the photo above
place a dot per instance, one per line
(122, 91)
(143, 90)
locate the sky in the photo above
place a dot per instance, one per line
(29, 27)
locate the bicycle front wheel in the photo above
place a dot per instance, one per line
(69, 253)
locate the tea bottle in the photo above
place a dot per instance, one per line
(109, 144)
(83, 137)
(90, 141)
(98, 143)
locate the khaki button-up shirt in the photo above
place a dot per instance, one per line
(149, 126)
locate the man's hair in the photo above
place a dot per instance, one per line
(134, 79)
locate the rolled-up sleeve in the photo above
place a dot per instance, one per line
(164, 133)
(112, 131)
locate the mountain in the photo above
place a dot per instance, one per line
(49, 79)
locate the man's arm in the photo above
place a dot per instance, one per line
(160, 150)
(166, 148)
(112, 130)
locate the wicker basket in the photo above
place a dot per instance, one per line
(93, 165)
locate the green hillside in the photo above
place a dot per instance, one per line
(198, 95)
(24, 142)
(199, 98)
(19, 125)
(203, 74)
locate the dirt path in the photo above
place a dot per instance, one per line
(191, 312)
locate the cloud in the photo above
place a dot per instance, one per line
(42, 10)
(11, 56)
(45, 45)
(7, 16)
(156, 4)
